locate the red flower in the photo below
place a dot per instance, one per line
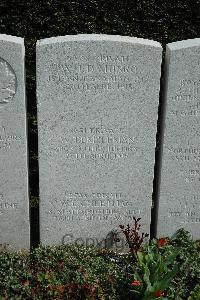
(136, 283)
(159, 293)
(161, 242)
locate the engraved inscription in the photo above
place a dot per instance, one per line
(187, 212)
(185, 111)
(186, 104)
(96, 143)
(8, 82)
(94, 206)
(187, 99)
(187, 153)
(106, 73)
(8, 140)
(7, 206)
(190, 155)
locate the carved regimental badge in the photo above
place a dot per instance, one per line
(8, 83)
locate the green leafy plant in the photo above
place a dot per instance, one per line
(155, 271)
(195, 294)
(62, 272)
(188, 261)
(155, 266)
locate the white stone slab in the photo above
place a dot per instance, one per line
(98, 98)
(179, 200)
(14, 200)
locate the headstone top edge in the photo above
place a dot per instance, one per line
(13, 39)
(98, 37)
(190, 43)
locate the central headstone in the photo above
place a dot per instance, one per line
(98, 98)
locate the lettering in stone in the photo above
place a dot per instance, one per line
(14, 201)
(102, 143)
(100, 76)
(92, 206)
(8, 206)
(7, 141)
(97, 99)
(180, 173)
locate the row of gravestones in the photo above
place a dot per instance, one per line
(97, 98)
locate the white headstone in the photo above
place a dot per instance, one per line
(14, 200)
(179, 200)
(98, 98)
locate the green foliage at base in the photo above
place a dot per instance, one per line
(188, 260)
(195, 294)
(167, 268)
(62, 272)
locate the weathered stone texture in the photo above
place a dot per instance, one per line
(98, 99)
(14, 200)
(179, 199)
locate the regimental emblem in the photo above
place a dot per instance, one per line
(8, 83)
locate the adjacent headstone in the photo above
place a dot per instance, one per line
(98, 99)
(14, 204)
(179, 199)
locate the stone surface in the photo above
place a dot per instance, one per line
(179, 199)
(98, 98)
(14, 200)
